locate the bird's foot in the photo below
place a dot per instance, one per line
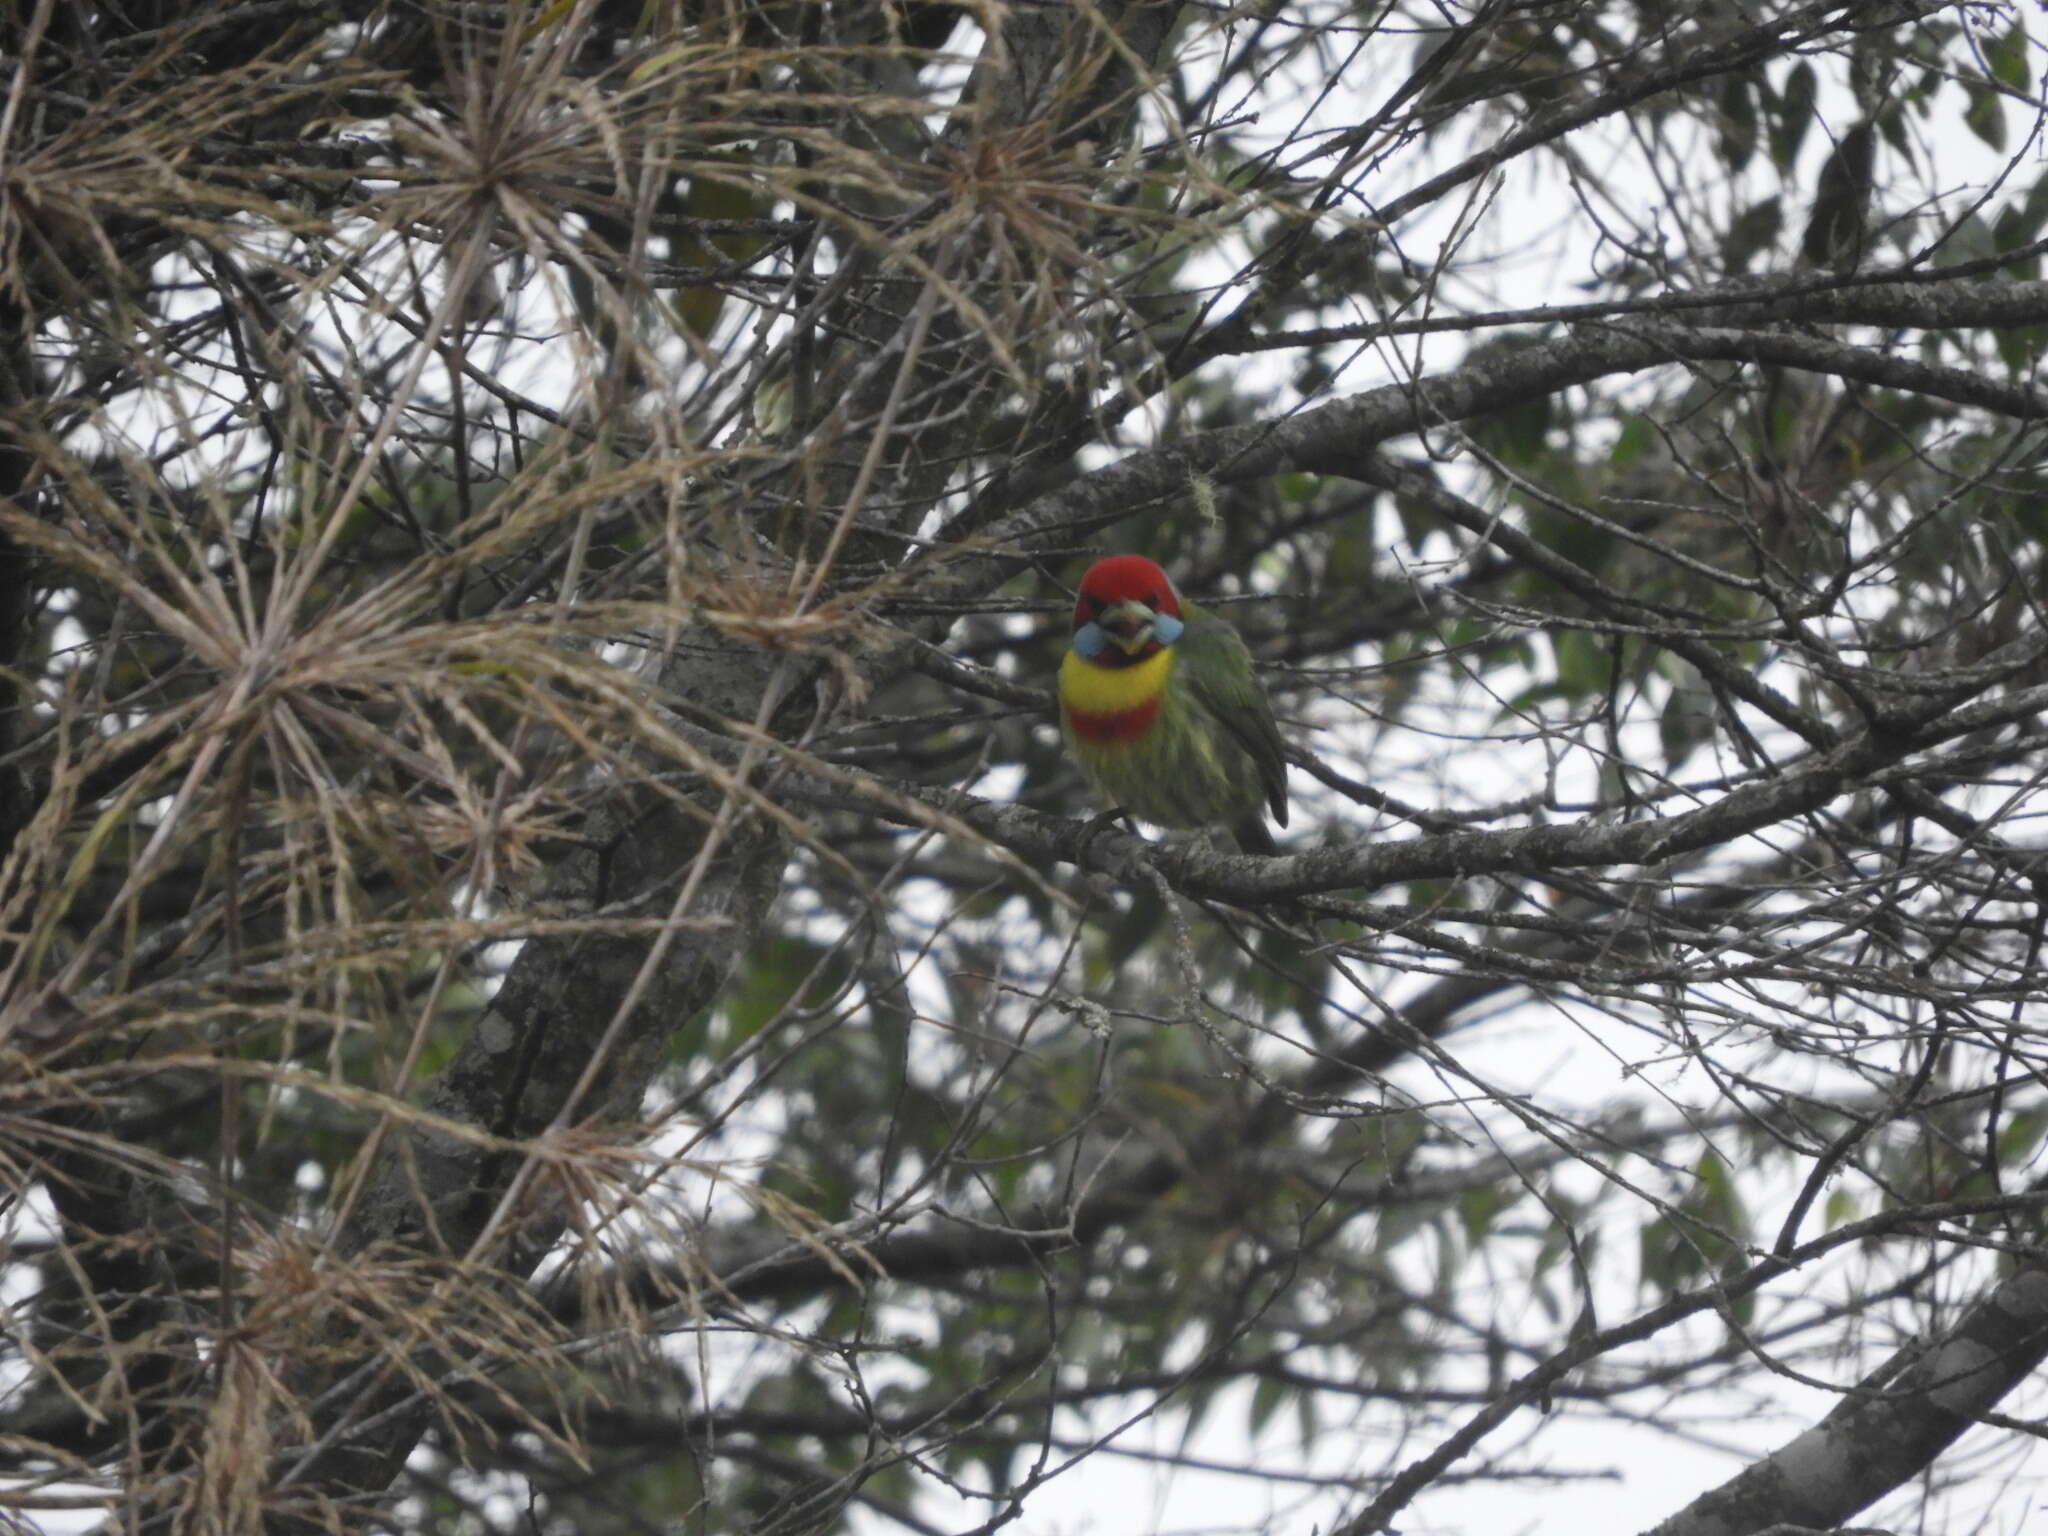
(1096, 825)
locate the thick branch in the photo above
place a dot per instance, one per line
(1881, 1437)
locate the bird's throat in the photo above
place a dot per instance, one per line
(1108, 705)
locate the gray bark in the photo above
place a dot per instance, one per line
(1885, 1434)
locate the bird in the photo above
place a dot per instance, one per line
(1159, 706)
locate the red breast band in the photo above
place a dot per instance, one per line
(1113, 728)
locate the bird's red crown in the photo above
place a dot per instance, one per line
(1124, 578)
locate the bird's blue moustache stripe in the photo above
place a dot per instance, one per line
(1092, 641)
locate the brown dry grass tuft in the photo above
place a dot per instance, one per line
(385, 428)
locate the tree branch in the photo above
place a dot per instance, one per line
(1882, 1436)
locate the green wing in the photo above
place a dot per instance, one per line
(1218, 665)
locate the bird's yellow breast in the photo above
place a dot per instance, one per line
(1092, 690)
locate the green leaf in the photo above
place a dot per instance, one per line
(2006, 55)
(1754, 232)
(2020, 224)
(1477, 1209)
(1718, 1198)
(1267, 1397)
(1972, 241)
(2021, 349)
(1637, 437)
(775, 971)
(1841, 1208)
(1794, 116)
(2021, 1137)
(1584, 664)
(1737, 123)
(1700, 1235)
(1688, 719)
(1985, 116)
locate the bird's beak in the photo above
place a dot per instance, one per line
(1128, 623)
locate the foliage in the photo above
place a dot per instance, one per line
(552, 968)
